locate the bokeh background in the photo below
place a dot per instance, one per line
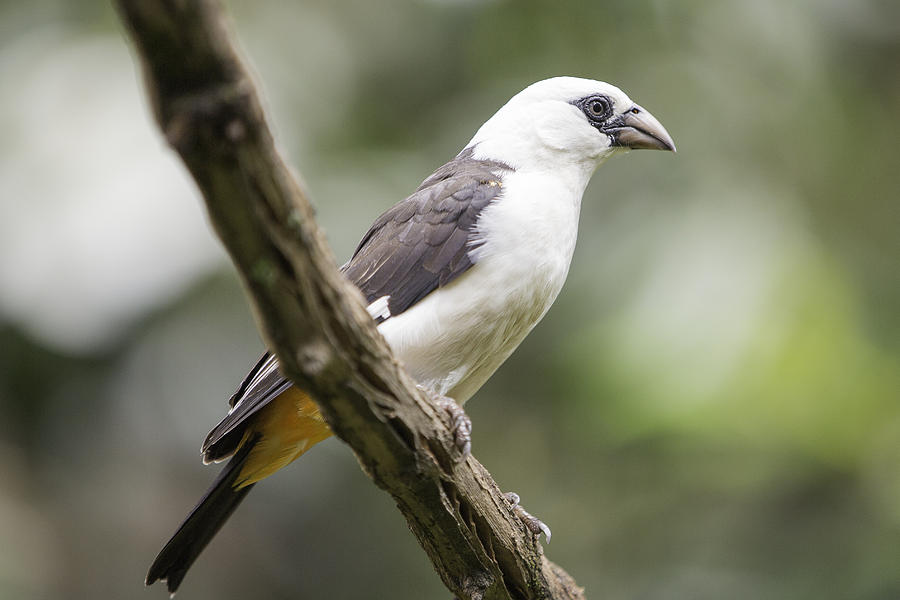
(711, 410)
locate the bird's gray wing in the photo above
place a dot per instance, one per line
(417, 246)
(424, 242)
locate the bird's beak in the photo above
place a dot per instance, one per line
(637, 128)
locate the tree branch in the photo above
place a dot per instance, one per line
(205, 102)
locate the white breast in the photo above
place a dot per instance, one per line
(454, 339)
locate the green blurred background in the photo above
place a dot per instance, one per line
(711, 410)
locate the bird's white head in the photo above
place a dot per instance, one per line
(567, 123)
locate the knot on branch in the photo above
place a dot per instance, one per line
(223, 111)
(314, 357)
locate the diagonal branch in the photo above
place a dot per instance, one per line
(206, 104)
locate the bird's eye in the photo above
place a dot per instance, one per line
(596, 108)
(635, 111)
(599, 107)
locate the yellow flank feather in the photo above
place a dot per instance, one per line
(288, 426)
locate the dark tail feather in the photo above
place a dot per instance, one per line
(220, 500)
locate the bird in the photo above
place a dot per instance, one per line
(455, 276)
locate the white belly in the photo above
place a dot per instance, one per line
(454, 339)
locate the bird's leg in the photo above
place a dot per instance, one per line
(460, 424)
(534, 525)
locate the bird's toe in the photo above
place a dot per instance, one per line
(534, 525)
(458, 420)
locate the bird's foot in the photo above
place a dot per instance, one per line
(534, 525)
(460, 424)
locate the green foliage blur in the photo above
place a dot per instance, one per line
(711, 410)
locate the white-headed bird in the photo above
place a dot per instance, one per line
(455, 275)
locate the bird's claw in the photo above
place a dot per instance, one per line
(534, 525)
(460, 424)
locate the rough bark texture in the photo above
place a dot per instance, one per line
(207, 106)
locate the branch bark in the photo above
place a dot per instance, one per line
(209, 111)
